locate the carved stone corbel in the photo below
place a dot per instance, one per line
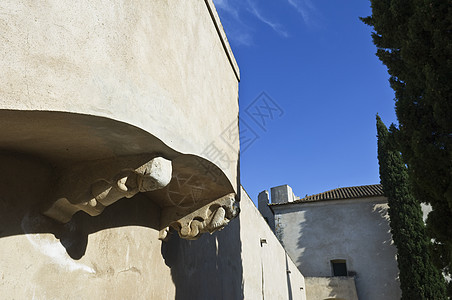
(153, 175)
(209, 218)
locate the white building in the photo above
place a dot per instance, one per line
(339, 239)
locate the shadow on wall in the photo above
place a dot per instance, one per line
(357, 232)
(305, 260)
(208, 268)
(387, 251)
(24, 184)
(322, 238)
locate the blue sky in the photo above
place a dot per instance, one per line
(314, 128)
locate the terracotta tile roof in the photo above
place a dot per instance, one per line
(353, 192)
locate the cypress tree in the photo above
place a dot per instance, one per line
(413, 40)
(419, 278)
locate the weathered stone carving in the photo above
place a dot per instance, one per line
(209, 218)
(153, 175)
(185, 195)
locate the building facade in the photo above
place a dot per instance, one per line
(339, 239)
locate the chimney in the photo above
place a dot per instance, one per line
(282, 194)
(264, 209)
(263, 199)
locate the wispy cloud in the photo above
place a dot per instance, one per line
(226, 6)
(275, 26)
(305, 8)
(234, 18)
(239, 16)
(237, 30)
(240, 36)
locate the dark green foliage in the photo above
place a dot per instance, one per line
(413, 39)
(419, 278)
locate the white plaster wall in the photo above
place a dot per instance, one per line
(355, 230)
(331, 288)
(266, 265)
(158, 65)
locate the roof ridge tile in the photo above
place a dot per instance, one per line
(373, 190)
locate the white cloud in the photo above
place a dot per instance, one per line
(275, 26)
(226, 6)
(234, 20)
(240, 36)
(305, 8)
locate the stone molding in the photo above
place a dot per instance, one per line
(209, 218)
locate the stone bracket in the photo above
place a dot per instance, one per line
(93, 185)
(209, 218)
(93, 197)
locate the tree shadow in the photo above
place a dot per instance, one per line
(356, 231)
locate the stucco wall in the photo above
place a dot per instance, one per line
(117, 255)
(268, 272)
(162, 66)
(355, 230)
(331, 288)
(113, 256)
(233, 264)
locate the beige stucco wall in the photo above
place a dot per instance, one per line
(356, 230)
(117, 255)
(320, 288)
(162, 66)
(268, 272)
(96, 82)
(113, 256)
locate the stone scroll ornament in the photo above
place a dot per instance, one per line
(153, 175)
(209, 218)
